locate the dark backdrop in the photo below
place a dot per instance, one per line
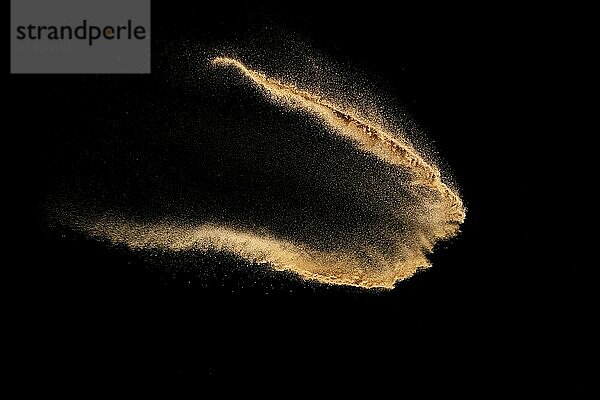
(89, 313)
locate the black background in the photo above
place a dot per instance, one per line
(489, 312)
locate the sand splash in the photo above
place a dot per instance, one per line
(359, 264)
